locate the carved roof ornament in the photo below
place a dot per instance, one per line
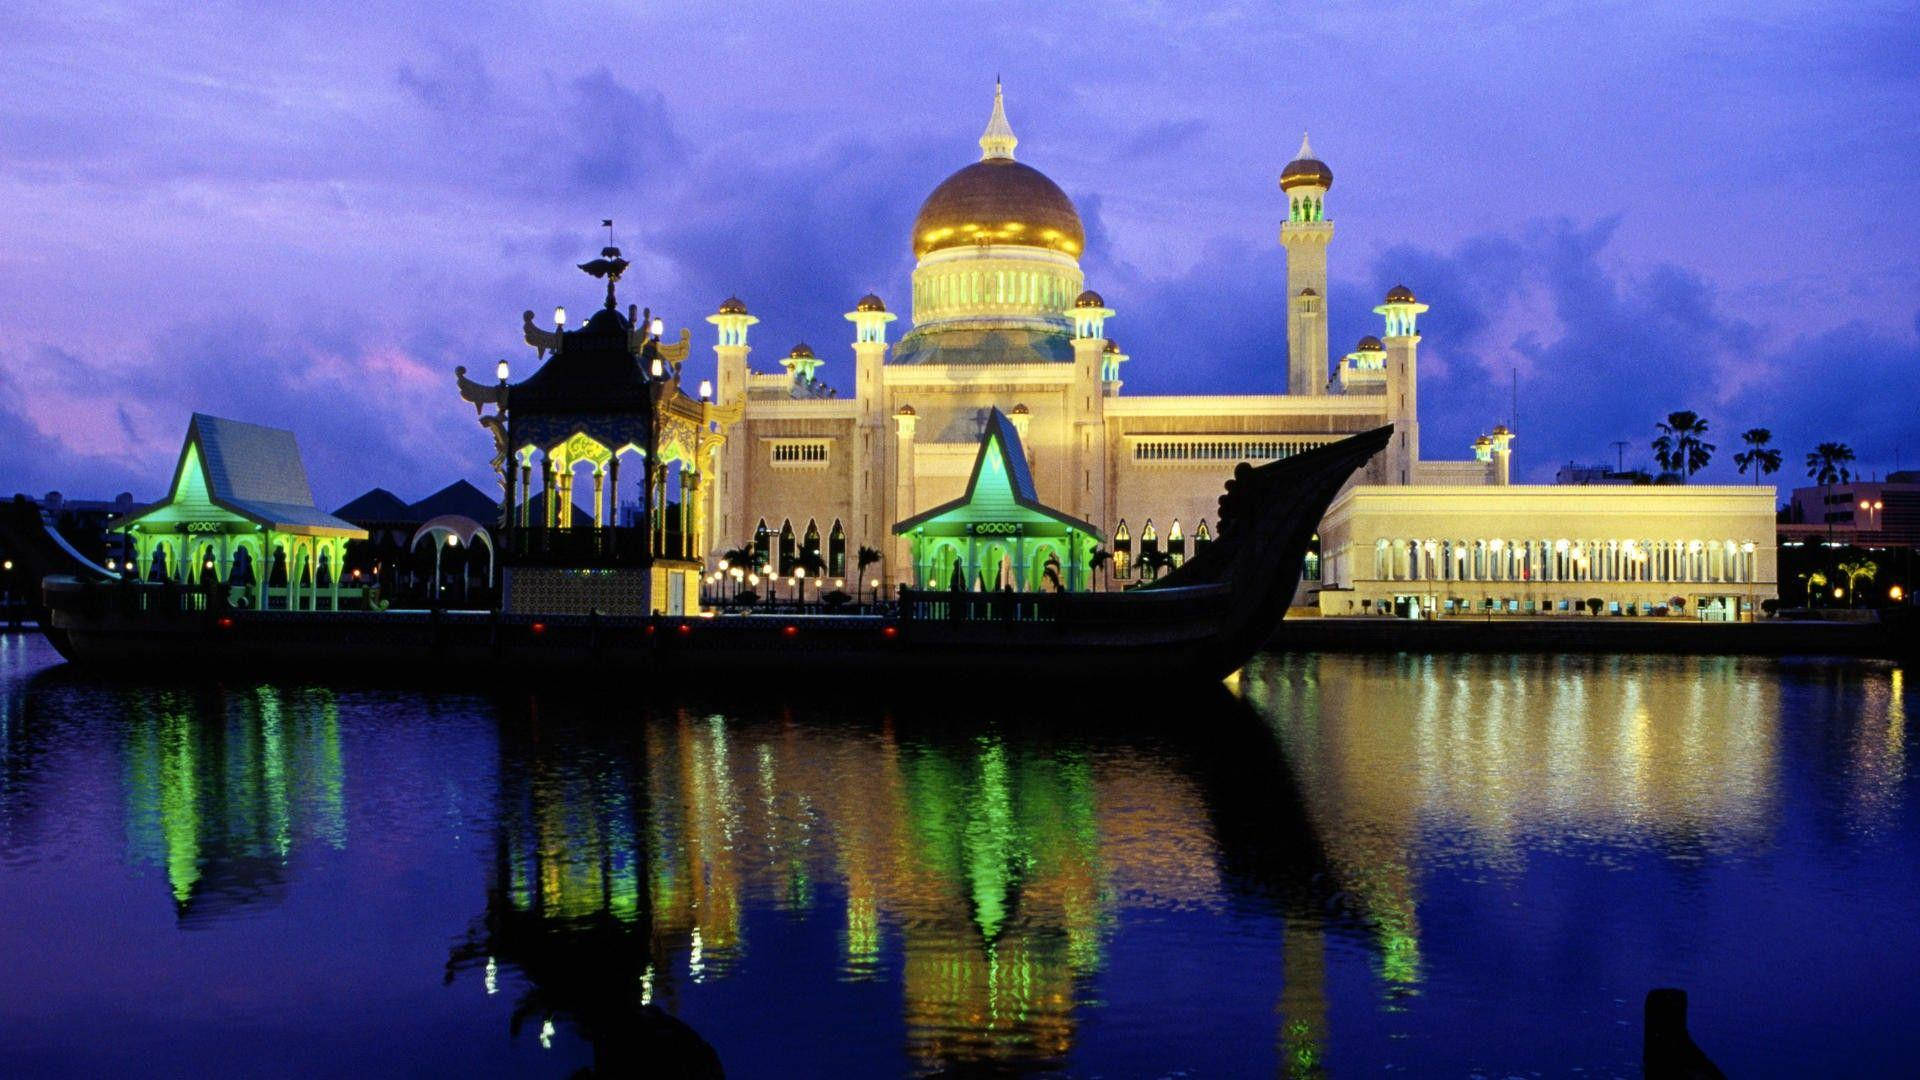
(610, 266)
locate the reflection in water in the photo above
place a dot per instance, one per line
(986, 871)
(1409, 761)
(220, 786)
(1015, 896)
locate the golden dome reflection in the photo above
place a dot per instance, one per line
(998, 201)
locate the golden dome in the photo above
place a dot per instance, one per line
(869, 302)
(732, 305)
(802, 351)
(998, 201)
(1369, 344)
(1089, 299)
(1305, 170)
(1112, 346)
(906, 410)
(1021, 410)
(1400, 294)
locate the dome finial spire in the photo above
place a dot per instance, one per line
(1306, 149)
(998, 140)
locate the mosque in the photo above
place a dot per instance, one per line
(1002, 319)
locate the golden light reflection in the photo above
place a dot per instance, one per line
(1479, 758)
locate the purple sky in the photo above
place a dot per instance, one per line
(307, 219)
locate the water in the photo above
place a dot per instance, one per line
(1339, 865)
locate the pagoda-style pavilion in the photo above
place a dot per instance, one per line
(603, 392)
(240, 493)
(999, 534)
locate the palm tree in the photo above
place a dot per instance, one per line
(1816, 584)
(1153, 562)
(1853, 571)
(1759, 456)
(866, 557)
(1100, 560)
(1682, 447)
(1827, 466)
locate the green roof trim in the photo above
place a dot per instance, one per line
(999, 489)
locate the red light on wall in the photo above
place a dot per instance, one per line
(539, 628)
(791, 631)
(685, 629)
(224, 623)
(891, 631)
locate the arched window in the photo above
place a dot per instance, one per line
(1149, 549)
(1176, 544)
(1122, 550)
(1310, 566)
(837, 551)
(785, 566)
(762, 546)
(1201, 537)
(813, 542)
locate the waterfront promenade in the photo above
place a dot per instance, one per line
(1579, 634)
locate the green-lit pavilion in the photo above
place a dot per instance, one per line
(241, 488)
(999, 534)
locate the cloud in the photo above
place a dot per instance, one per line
(1601, 352)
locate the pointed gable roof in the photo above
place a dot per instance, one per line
(459, 498)
(378, 505)
(254, 472)
(1000, 484)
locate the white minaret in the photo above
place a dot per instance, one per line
(730, 354)
(1403, 382)
(1087, 482)
(1305, 236)
(869, 318)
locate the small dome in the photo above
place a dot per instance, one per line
(1502, 431)
(1305, 170)
(1089, 299)
(1400, 294)
(907, 410)
(1021, 410)
(869, 302)
(1369, 344)
(802, 351)
(1482, 440)
(1112, 346)
(732, 305)
(1308, 292)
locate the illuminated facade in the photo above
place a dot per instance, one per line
(1002, 320)
(240, 512)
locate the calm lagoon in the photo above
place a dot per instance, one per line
(1334, 865)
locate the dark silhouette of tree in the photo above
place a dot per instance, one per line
(1682, 446)
(1827, 466)
(1101, 560)
(1759, 456)
(866, 557)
